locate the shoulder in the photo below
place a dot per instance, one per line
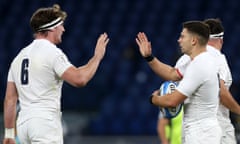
(222, 56)
(48, 47)
(202, 57)
(203, 61)
(213, 51)
(183, 60)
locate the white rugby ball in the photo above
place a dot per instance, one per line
(168, 87)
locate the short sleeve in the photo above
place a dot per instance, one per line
(191, 80)
(223, 71)
(10, 75)
(61, 63)
(182, 64)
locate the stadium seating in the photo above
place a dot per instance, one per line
(118, 93)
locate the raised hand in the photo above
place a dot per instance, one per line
(101, 45)
(145, 47)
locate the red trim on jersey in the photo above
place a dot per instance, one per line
(179, 73)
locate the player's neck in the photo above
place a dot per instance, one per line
(215, 43)
(198, 50)
(45, 36)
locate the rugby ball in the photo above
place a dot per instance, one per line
(168, 87)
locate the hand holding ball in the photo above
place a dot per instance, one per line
(166, 88)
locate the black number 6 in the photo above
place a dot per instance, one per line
(24, 72)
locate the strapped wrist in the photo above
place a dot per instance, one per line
(150, 99)
(9, 133)
(149, 58)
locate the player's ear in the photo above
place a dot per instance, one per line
(221, 41)
(194, 40)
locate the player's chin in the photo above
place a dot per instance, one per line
(182, 50)
(59, 41)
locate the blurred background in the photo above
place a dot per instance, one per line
(114, 107)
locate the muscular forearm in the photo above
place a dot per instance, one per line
(164, 71)
(168, 100)
(80, 76)
(228, 101)
(10, 103)
(9, 113)
(90, 68)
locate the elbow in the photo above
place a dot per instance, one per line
(79, 85)
(76, 77)
(173, 104)
(81, 82)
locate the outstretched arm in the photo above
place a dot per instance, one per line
(80, 76)
(164, 71)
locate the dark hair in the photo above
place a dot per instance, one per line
(199, 28)
(45, 15)
(215, 25)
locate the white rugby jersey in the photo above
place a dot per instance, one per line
(36, 71)
(223, 70)
(201, 85)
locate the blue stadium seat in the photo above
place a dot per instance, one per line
(119, 91)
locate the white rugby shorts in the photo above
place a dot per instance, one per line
(203, 132)
(43, 127)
